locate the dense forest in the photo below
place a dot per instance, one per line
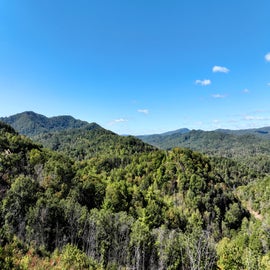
(219, 143)
(77, 196)
(250, 147)
(30, 123)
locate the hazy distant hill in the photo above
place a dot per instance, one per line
(30, 123)
(227, 143)
(263, 132)
(161, 140)
(178, 131)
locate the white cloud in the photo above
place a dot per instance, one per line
(218, 96)
(252, 118)
(144, 111)
(203, 82)
(245, 91)
(117, 121)
(268, 84)
(220, 69)
(267, 57)
(120, 120)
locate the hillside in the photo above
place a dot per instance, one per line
(31, 124)
(91, 141)
(77, 139)
(263, 132)
(91, 199)
(219, 143)
(247, 149)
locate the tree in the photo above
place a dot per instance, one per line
(21, 196)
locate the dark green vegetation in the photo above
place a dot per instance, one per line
(250, 147)
(90, 141)
(77, 139)
(259, 132)
(30, 123)
(221, 143)
(97, 200)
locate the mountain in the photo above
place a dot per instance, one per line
(58, 213)
(178, 131)
(31, 124)
(91, 141)
(80, 139)
(127, 205)
(158, 139)
(220, 142)
(77, 139)
(263, 132)
(251, 149)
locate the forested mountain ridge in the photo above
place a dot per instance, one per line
(129, 207)
(178, 131)
(77, 139)
(166, 139)
(30, 123)
(248, 149)
(227, 144)
(63, 132)
(209, 141)
(91, 141)
(263, 132)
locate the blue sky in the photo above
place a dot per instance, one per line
(138, 67)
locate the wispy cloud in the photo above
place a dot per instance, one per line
(203, 82)
(260, 111)
(246, 91)
(255, 118)
(220, 69)
(268, 84)
(251, 117)
(144, 111)
(218, 96)
(120, 120)
(267, 57)
(117, 121)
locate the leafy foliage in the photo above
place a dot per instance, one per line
(212, 142)
(250, 148)
(92, 141)
(102, 201)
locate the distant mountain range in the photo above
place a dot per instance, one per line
(80, 138)
(221, 142)
(263, 132)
